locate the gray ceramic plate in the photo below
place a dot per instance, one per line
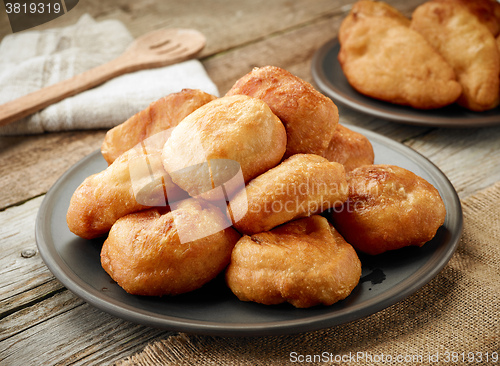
(330, 78)
(386, 279)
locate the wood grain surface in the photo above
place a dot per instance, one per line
(41, 322)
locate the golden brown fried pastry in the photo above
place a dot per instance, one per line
(486, 11)
(467, 45)
(146, 255)
(304, 262)
(388, 208)
(302, 185)
(160, 115)
(134, 181)
(237, 128)
(309, 117)
(498, 47)
(368, 8)
(388, 61)
(349, 148)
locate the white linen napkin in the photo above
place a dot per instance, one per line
(32, 60)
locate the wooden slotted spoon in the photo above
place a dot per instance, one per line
(155, 49)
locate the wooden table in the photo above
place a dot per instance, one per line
(41, 322)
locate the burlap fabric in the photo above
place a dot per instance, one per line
(453, 320)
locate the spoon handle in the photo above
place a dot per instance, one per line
(33, 102)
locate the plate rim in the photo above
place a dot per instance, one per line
(393, 295)
(330, 89)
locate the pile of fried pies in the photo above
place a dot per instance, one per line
(262, 186)
(447, 53)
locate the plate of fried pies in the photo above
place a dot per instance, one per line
(260, 212)
(438, 68)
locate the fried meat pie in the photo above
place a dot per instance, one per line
(302, 185)
(305, 262)
(134, 181)
(160, 115)
(388, 208)
(237, 128)
(467, 45)
(146, 255)
(309, 117)
(349, 148)
(385, 59)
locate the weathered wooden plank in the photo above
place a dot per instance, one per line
(247, 20)
(29, 165)
(63, 330)
(291, 49)
(32, 293)
(45, 324)
(28, 317)
(470, 158)
(25, 278)
(34, 303)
